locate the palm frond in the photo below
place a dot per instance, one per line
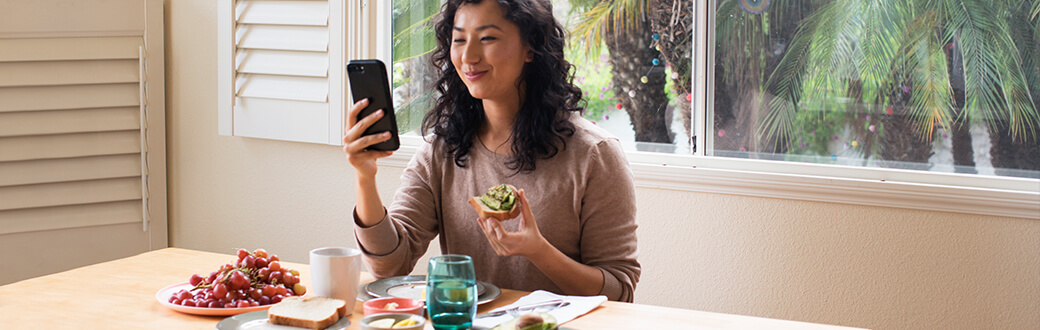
(834, 49)
(414, 41)
(413, 28)
(967, 25)
(826, 43)
(1029, 49)
(996, 87)
(617, 16)
(779, 122)
(786, 85)
(931, 103)
(884, 34)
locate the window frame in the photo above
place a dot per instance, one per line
(884, 187)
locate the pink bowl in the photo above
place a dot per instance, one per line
(404, 305)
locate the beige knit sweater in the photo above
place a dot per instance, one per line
(583, 200)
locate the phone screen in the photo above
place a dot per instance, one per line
(368, 79)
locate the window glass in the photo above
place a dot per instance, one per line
(413, 42)
(949, 86)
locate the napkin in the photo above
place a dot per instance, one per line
(579, 305)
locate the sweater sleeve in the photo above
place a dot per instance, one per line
(608, 217)
(393, 245)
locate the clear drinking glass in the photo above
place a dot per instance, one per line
(451, 291)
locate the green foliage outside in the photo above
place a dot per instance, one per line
(882, 54)
(592, 75)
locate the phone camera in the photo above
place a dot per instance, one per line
(355, 68)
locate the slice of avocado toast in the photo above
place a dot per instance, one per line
(500, 198)
(501, 202)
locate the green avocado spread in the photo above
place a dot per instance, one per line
(499, 198)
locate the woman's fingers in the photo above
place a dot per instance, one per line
(525, 212)
(359, 144)
(357, 131)
(500, 232)
(353, 112)
(487, 228)
(505, 241)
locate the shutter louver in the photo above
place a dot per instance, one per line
(281, 59)
(70, 132)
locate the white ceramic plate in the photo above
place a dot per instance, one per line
(412, 287)
(163, 296)
(258, 321)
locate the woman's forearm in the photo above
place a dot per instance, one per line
(369, 206)
(573, 277)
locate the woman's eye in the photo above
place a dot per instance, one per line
(487, 38)
(458, 40)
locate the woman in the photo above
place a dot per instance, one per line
(507, 113)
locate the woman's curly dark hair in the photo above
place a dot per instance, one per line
(542, 122)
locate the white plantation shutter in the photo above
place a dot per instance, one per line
(281, 66)
(81, 116)
(275, 79)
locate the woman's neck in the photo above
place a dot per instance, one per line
(498, 126)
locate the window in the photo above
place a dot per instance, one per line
(879, 103)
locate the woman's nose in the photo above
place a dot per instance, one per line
(471, 53)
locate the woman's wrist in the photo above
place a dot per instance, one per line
(364, 177)
(543, 251)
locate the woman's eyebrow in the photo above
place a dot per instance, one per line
(479, 28)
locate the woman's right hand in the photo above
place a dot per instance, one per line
(354, 144)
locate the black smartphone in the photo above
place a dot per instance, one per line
(368, 79)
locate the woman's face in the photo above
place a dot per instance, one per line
(488, 51)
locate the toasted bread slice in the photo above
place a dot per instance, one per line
(486, 212)
(312, 312)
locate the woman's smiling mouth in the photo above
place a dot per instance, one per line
(474, 75)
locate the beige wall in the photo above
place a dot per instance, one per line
(872, 267)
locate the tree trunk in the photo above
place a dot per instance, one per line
(963, 151)
(671, 21)
(1012, 154)
(901, 143)
(631, 57)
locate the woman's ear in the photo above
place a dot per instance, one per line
(530, 56)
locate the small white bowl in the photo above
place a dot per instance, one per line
(397, 317)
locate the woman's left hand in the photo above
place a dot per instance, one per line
(526, 241)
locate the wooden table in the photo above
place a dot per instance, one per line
(120, 294)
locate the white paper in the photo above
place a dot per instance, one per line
(579, 305)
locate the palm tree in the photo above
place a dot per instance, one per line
(621, 25)
(672, 23)
(748, 47)
(917, 66)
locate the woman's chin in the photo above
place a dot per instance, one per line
(478, 94)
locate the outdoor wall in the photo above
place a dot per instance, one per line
(873, 267)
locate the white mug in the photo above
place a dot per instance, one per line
(336, 273)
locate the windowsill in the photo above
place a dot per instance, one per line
(993, 196)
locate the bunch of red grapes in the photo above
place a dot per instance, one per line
(256, 279)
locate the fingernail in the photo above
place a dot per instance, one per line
(365, 101)
(386, 134)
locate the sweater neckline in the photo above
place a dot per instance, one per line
(479, 145)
